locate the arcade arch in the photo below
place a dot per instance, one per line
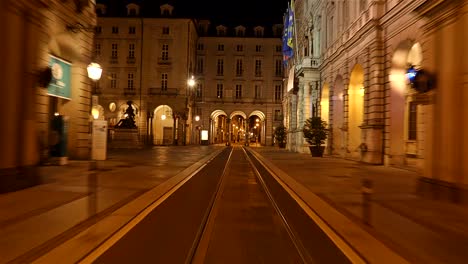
(409, 113)
(355, 109)
(163, 125)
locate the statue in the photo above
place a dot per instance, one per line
(129, 120)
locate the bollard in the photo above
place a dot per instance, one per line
(92, 188)
(366, 191)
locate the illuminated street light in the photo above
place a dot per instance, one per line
(94, 71)
(191, 81)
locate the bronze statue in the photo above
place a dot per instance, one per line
(129, 120)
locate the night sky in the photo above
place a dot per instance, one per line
(246, 11)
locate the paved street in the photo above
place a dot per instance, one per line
(72, 199)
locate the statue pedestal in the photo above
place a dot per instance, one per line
(125, 138)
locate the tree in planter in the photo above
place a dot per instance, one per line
(280, 136)
(315, 133)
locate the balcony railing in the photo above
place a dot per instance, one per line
(164, 61)
(165, 91)
(114, 60)
(131, 60)
(129, 91)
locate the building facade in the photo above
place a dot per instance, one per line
(44, 43)
(385, 77)
(236, 72)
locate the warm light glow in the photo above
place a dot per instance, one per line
(95, 113)
(257, 120)
(163, 117)
(256, 125)
(204, 135)
(191, 81)
(56, 114)
(197, 118)
(361, 91)
(94, 71)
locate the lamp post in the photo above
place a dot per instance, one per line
(99, 127)
(190, 84)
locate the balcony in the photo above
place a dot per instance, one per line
(131, 60)
(114, 60)
(164, 61)
(161, 91)
(129, 91)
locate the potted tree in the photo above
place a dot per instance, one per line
(315, 133)
(280, 135)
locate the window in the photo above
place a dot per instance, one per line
(115, 30)
(238, 91)
(258, 68)
(258, 48)
(198, 92)
(278, 92)
(200, 64)
(219, 90)
(257, 91)
(98, 30)
(278, 48)
(131, 51)
(220, 67)
(220, 47)
(240, 48)
(239, 67)
(221, 31)
(258, 32)
(164, 81)
(113, 80)
(278, 68)
(131, 30)
(278, 116)
(165, 52)
(130, 81)
(165, 30)
(97, 49)
(200, 46)
(412, 125)
(362, 5)
(114, 53)
(132, 12)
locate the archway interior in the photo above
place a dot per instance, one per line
(219, 127)
(355, 107)
(405, 113)
(337, 118)
(238, 128)
(325, 103)
(163, 125)
(255, 128)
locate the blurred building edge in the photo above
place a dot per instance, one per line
(34, 32)
(390, 80)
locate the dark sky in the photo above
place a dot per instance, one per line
(250, 11)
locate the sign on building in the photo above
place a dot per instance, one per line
(60, 85)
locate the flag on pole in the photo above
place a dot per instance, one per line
(288, 47)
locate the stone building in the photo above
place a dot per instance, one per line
(148, 58)
(44, 42)
(389, 78)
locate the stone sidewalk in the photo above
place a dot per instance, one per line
(419, 229)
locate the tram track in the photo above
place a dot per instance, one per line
(232, 210)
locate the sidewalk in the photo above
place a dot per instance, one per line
(419, 229)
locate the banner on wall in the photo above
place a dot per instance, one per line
(60, 85)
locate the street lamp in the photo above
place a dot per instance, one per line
(190, 83)
(99, 127)
(94, 71)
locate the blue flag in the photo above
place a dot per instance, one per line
(287, 51)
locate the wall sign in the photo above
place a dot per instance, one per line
(60, 85)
